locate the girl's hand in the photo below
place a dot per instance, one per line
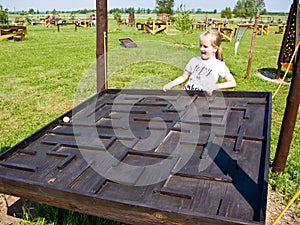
(209, 92)
(178, 80)
(168, 86)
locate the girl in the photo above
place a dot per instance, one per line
(204, 71)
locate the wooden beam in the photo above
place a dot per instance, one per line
(101, 43)
(252, 44)
(289, 120)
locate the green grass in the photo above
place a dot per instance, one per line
(42, 76)
(48, 215)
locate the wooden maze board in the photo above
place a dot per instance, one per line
(150, 157)
(128, 43)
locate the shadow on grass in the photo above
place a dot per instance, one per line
(3, 149)
(35, 212)
(270, 73)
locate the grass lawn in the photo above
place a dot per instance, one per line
(48, 73)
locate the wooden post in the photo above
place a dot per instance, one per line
(101, 43)
(252, 44)
(289, 120)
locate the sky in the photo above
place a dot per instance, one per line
(66, 5)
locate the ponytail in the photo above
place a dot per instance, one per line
(219, 53)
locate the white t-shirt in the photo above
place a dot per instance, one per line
(205, 73)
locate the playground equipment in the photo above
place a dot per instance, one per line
(290, 39)
(290, 43)
(11, 31)
(263, 29)
(200, 25)
(48, 21)
(91, 22)
(127, 43)
(112, 168)
(155, 27)
(164, 17)
(281, 29)
(160, 25)
(81, 23)
(226, 33)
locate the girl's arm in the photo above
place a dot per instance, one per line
(177, 81)
(229, 82)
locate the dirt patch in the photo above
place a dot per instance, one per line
(275, 206)
(12, 208)
(5, 202)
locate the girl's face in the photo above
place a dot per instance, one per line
(207, 50)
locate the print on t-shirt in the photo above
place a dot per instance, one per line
(201, 77)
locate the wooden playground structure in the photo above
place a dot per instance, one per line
(281, 29)
(263, 29)
(56, 21)
(155, 27)
(290, 39)
(161, 24)
(12, 31)
(226, 32)
(226, 28)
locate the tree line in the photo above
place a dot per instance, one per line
(242, 9)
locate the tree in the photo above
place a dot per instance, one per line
(72, 16)
(130, 10)
(54, 12)
(226, 13)
(165, 6)
(117, 17)
(183, 22)
(248, 8)
(31, 11)
(199, 10)
(3, 13)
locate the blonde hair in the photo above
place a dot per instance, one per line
(216, 40)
